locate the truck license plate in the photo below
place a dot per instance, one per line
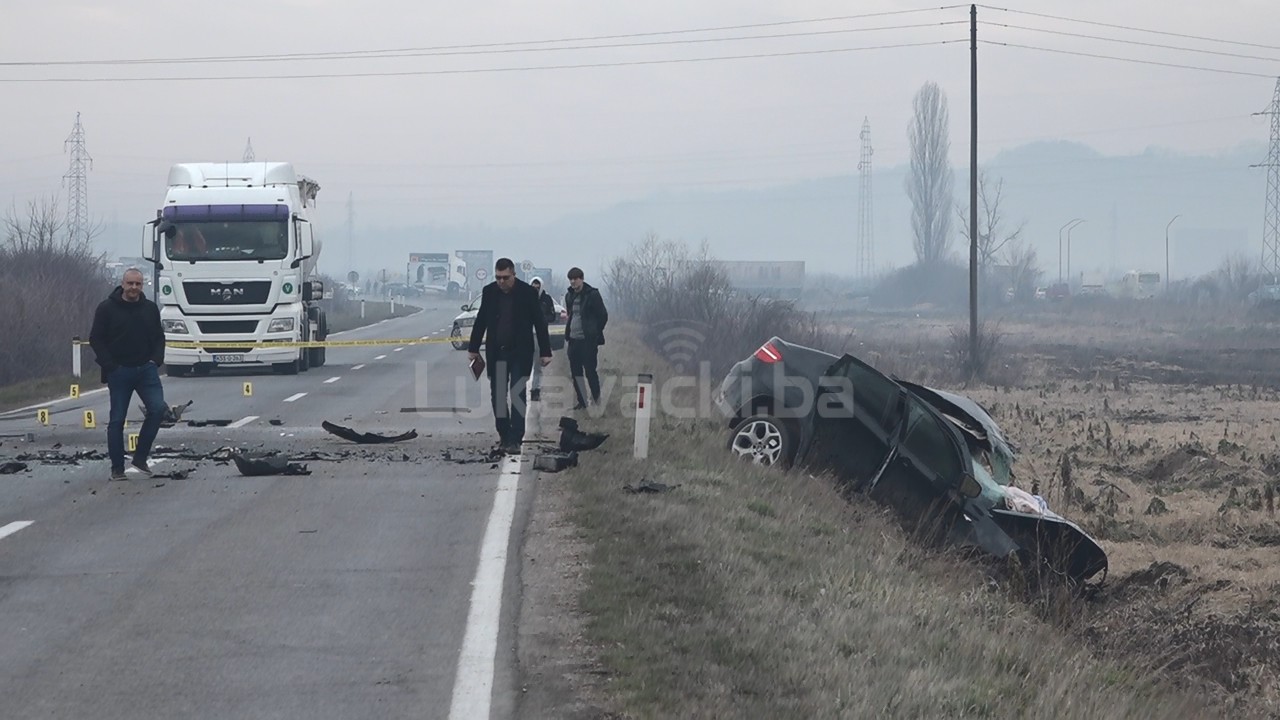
(228, 358)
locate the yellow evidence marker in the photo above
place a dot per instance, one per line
(90, 422)
(43, 416)
(133, 442)
(248, 389)
(75, 391)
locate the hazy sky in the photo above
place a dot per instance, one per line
(452, 145)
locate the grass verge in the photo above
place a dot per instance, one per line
(374, 311)
(748, 592)
(27, 392)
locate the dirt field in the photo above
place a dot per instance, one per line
(1157, 433)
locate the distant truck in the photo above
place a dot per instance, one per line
(1140, 284)
(235, 260)
(773, 278)
(442, 272)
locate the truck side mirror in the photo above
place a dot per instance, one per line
(306, 292)
(305, 241)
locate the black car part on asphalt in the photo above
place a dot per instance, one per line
(937, 458)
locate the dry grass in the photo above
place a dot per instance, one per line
(31, 391)
(753, 593)
(347, 316)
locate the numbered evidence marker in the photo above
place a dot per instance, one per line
(75, 391)
(248, 389)
(43, 416)
(133, 442)
(90, 422)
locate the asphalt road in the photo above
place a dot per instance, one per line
(379, 585)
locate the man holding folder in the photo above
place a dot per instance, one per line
(509, 319)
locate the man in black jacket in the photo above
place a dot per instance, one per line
(128, 342)
(584, 334)
(509, 319)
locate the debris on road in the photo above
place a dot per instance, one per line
(572, 439)
(12, 467)
(555, 462)
(209, 423)
(647, 486)
(347, 433)
(256, 466)
(172, 413)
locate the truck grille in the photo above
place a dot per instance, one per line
(249, 292)
(227, 327)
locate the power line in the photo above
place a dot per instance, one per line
(385, 52)
(1132, 28)
(469, 71)
(1100, 56)
(1132, 42)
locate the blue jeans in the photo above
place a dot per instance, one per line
(122, 383)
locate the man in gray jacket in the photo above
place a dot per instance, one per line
(584, 334)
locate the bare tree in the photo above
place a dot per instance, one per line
(929, 183)
(50, 284)
(993, 237)
(1024, 267)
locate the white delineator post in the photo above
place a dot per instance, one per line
(393, 304)
(644, 411)
(361, 308)
(75, 356)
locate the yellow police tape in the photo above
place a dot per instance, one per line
(247, 345)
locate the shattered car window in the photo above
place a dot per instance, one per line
(928, 443)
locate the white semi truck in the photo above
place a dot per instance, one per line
(235, 258)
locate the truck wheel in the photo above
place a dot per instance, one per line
(289, 368)
(322, 332)
(317, 357)
(454, 290)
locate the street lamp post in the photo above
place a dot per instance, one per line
(1073, 227)
(1166, 252)
(1064, 227)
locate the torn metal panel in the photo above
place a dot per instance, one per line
(347, 433)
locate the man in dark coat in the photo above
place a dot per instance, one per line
(584, 334)
(509, 319)
(128, 342)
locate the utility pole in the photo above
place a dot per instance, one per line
(351, 231)
(865, 260)
(248, 150)
(973, 188)
(77, 182)
(1271, 221)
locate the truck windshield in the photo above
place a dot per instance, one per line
(228, 240)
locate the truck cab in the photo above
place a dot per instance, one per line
(235, 253)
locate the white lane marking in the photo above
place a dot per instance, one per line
(47, 403)
(243, 421)
(473, 684)
(14, 527)
(381, 357)
(397, 349)
(295, 396)
(334, 379)
(357, 367)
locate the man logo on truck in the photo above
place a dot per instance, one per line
(226, 293)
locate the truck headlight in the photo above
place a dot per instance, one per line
(176, 327)
(281, 325)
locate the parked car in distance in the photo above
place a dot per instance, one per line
(460, 333)
(935, 457)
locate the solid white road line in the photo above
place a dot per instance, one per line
(357, 367)
(14, 527)
(295, 396)
(473, 685)
(243, 421)
(334, 379)
(381, 357)
(47, 403)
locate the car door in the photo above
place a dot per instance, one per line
(853, 419)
